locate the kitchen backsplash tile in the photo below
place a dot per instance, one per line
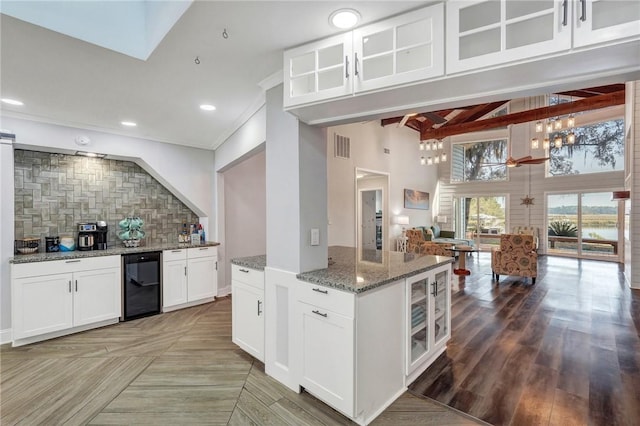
(53, 192)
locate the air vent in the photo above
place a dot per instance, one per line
(341, 146)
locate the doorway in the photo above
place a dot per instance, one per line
(481, 218)
(371, 209)
(584, 224)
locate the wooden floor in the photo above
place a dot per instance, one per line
(565, 351)
(177, 368)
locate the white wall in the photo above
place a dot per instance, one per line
(6, 235)
(245, 210)
(634, 185)
(186, 172)
(368, 141)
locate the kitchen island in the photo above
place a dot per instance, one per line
(356, 333)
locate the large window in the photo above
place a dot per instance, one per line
(479, 161)
(482, 219)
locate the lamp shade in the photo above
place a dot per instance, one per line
(400, 220)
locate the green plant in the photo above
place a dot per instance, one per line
(563, 228)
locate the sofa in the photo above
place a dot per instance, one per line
(417, 244)
(436, 235)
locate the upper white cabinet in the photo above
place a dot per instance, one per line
(489, 32)
(598, 21)
(399, 50)
(318, 71)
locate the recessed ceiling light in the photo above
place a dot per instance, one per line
(11, 101)
(128, 123)
(207, 107)
(90, 154)
(344, 18)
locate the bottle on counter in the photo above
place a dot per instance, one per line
(201, 232)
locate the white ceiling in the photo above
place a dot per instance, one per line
(67, 81)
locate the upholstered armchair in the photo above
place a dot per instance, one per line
(528, 230)
(417, 244)
(516, 256)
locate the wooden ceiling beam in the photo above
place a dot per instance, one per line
(393, 120)
(592, 103)
(474, 113)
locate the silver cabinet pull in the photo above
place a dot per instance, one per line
(216, 265)
(76, 286)
(185, 271)
(244, 270)
(346, 66)
(355, 64)
(72, 261)
(321, 291)
(320, 313)
(176, 251)
(69, 286)
(259, 311)
(583, 13)
(565, 5)
(204, 248)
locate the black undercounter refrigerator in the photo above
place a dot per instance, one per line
(142, 285)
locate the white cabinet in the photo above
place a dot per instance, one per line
(318, 71)
(64, 296)
(189, 277)
(174, 277)
(489, 32)
(399, 50)
(598, 21)
(325, 318)
(247, 289)
(428, 318)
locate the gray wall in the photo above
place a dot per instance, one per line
(53, 192)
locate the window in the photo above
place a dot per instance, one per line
(598, 148)
(479, 161)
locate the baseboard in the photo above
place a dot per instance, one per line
(224, 291)
(362, 420)
(5, 336)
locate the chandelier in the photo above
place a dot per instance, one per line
(434, 150)
(554, 124)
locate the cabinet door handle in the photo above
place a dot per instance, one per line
(565, 5)
(72, 261)
(346, 66)
(259, 311)
(204, 248)
(319, 313)
(355, 64)
(176, 251)
(69, 286)
(185, 271)
(321, 291)
(246, 271)
(216, 265)
(76, 286)
(583, 8)
(433, 289)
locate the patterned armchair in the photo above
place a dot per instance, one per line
(528, 230)
(417, 244)
(516, 256)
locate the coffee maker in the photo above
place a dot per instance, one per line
(100, 239)
(86, 236)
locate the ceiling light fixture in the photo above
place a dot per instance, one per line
(344, 18)
(207, 107)
(535, 143)
(571, 138)
(421, 145)
(128, 123)
(90, 154)
(12, 101)
(422, 161)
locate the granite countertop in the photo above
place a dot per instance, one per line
(354, 272)
(79, 254)
(253, 262)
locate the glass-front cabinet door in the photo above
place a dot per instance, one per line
(441, 305)
(598, 21)
(418, 321)
(488, 32)
(400, 50)
(318, 71)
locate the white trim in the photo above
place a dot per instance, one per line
(255, 106)
(65, 332)
(6, 336)
(272, 81)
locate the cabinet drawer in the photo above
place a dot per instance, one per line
(178, 254)
(64, 266)
(249, 276)
(194, 253)
(337, 301)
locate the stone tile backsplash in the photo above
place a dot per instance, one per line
(53, 192)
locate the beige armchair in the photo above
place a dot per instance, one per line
(528, 230)
(516, 256)
(417, 244)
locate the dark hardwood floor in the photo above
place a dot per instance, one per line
(565, 351)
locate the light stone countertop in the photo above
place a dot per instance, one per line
(79, 254)
(355, 271)
(253, 262)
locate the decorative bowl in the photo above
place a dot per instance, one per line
(131, 243)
